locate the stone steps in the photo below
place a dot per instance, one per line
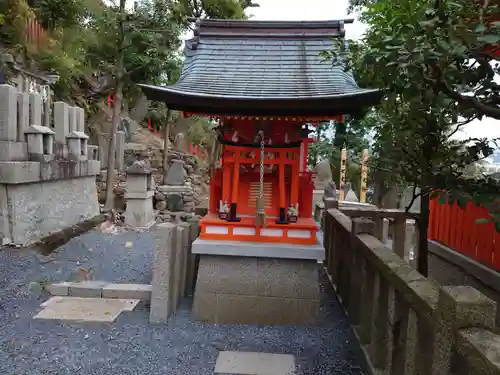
(101, 289)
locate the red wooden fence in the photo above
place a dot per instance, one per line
(456, 228)
(35, 35)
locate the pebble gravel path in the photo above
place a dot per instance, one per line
(131, 345)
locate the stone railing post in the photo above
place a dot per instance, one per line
(458, 307)
(40, 141)
(356, 267)
(186, 239)
(77, 145)
(399, 236)
(194, 229)
(61, 121)
(23, 114)
(163, 282)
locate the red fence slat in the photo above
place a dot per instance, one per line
(456, 228)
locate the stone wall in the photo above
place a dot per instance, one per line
(47, 169)
(406, 323)
(192, 193)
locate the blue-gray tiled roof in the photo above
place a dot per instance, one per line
(259, 60)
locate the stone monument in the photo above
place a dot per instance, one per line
(47, 177)
(349, 194)
(323, 173)
(177, 190)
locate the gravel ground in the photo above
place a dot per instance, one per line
(132, 346)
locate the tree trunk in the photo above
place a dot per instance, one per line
(423, 243)
(116, 111)
(165, 147)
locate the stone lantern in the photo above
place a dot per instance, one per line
(139, 196)
(40, 140)
(77, 145)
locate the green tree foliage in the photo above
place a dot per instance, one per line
(418, 52)
(221, 9)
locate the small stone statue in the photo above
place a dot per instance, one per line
(223, 210)
(293, 213)
(235, 138)
(331, 190)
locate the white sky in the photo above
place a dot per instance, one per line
(337, 9)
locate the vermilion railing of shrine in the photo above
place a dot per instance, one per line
(457, 228)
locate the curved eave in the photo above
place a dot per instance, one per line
(318, 105)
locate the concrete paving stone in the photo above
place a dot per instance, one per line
(59, 289)
(85, 309)
(128, 291)
(253, 363)
(87, 288)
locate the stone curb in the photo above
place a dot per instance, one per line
(101, 289)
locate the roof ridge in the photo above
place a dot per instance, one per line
(227, 23)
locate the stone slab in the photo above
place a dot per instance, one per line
(257, 249)
(87, 289)
(85, 309)
(139, 195)
(59, 289)
(253, 363)
(127, 291)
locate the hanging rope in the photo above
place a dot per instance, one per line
(261, 214)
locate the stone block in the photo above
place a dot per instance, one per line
(87, 289)
(250, 290)
(8, 113)
(128, 291)
(13, 151)
(176, 174)
(137, 183)
(229, 362)
(205, 307)
(19, 172)
(139, 213)
(37, 209)
(468, 307)
(94, 167)
(59, 289)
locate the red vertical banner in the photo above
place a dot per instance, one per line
(190, 148)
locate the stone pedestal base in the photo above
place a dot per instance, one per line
(251, 290)
(139, 212)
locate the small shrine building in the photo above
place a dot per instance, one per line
(264, 83)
